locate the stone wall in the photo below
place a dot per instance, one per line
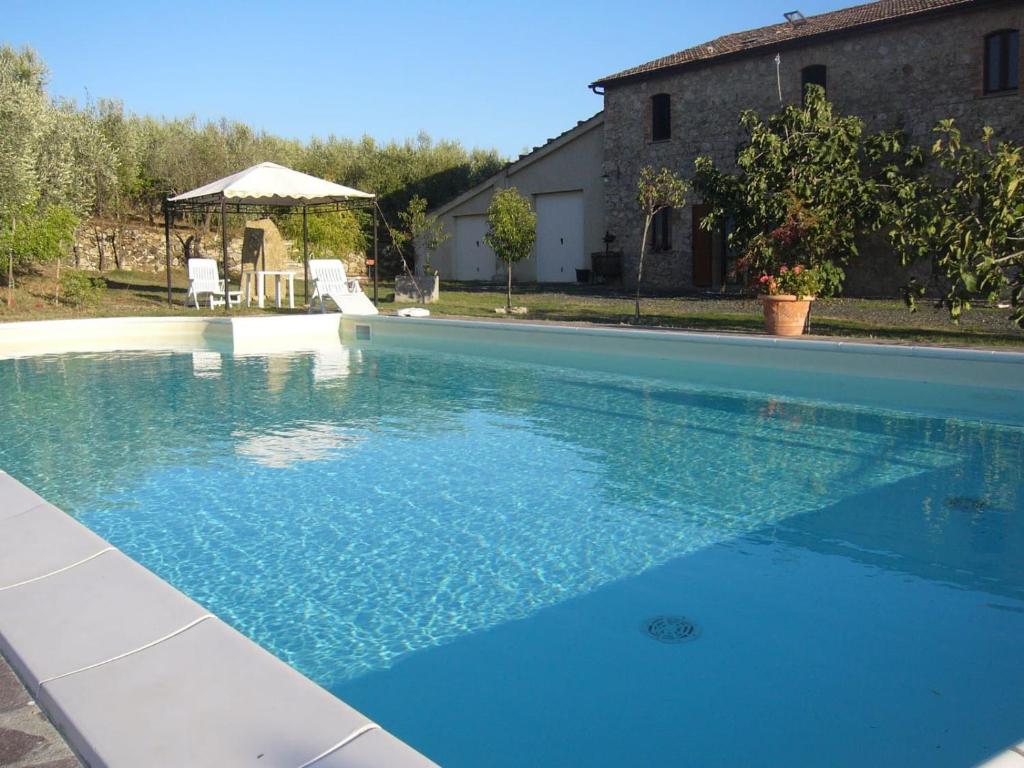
(142, 248)
(906, 75)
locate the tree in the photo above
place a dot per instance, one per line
(809, 182)
(512, 232)
(968, 220)
(332, 235)
(106, 164)
(656, 191)
(422, 231)
(23, 112)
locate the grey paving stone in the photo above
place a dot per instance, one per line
(12, 692)
(93, 612)
(22, 724)
(375, 749)
(206, 697)
(16, 745)
(41, 541)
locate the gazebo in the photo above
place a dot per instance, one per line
(263, 189)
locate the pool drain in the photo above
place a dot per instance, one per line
(671, 629)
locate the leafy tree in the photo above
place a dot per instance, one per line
(808, 183)
(656, 191)
(968, 220)
(512, 230)
(40, 237)
(105, 164)
(23, 112)
(331, 235)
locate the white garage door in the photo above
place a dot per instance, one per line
(474, 259)
(559, 246)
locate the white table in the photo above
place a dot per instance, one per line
(261, 280)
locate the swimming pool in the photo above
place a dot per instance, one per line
(537, 561)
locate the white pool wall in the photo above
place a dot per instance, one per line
(971, 383)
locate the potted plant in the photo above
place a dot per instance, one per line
(787, 298)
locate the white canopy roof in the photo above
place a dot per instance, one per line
(272, 184)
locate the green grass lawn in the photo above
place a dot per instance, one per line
(145, 293)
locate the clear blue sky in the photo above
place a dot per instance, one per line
(504, 75)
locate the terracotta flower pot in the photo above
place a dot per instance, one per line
(785, 314)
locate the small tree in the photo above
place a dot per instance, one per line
(808, 183)
(969, 222)
(656, 192)
(513, 230)
(423, 231)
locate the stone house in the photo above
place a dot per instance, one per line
(563, 180)
(895, 63)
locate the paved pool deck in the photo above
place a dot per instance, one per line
(134, 673)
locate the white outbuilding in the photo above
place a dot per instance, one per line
(564, 181)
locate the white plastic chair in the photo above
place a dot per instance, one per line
(204, 278)
(330, 282)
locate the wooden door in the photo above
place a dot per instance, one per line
(701, 248)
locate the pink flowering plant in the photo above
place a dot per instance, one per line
(800, 281)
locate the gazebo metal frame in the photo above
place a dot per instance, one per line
(222, 205)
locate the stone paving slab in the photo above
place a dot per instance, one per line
(103, 608)
(40, 541)
(206, 697)
(374, 749)
(133, 673)
(27, 738)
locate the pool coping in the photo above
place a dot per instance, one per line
(132, 672)
(34, 337)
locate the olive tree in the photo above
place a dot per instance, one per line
(23, 112)
(967, 219)
(512, 230)
(656, 191)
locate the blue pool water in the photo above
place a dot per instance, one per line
(471, 551)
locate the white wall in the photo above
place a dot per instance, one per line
(572, 163)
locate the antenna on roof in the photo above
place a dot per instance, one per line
(795, 19)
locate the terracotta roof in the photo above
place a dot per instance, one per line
(753, 39)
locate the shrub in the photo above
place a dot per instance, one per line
(81, 290)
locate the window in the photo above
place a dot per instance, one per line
(816, 74)
(1002, 61)
(661, 230)
(661, 117)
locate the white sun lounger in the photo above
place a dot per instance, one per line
(204, 278)
(330, 282)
